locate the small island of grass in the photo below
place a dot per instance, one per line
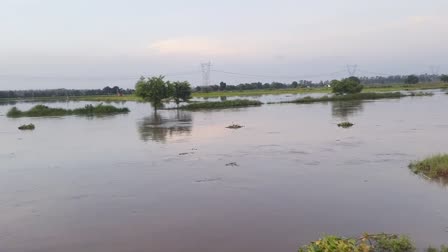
(221, 105)
(367, 242)
(234, 126)
(27, 127)
(345, 124)
(88, 110)
(349, 97)
(432, 167)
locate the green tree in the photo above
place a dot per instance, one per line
(412, 79)
(153, 89)
(180, 91)
(222, 85)
(351, 85)
(444, 78)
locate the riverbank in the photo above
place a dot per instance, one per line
(256, 92)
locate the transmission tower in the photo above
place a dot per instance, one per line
(351, 69)
(434, 69)
(205, 68)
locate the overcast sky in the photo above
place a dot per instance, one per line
(94, 43)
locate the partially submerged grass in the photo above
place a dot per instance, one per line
(421, 93)
(234, 126)
(221, 105)
(345, 124)
(443, 248)
(349, 97)
(27, 127)
(433, 167)
(88, 110)
(367, 242)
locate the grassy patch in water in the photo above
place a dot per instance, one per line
(345, 124)
(433, 167)
(27, 127)
(88, 110)
(221, 105)
(367, 242)
(234, 126)
(349, 97)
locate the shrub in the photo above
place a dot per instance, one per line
(351, 85)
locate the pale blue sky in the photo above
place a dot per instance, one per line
(93, 43)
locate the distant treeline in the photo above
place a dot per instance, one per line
(372, 81)
(377, 80)
(64, 92)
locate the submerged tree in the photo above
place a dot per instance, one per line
(351, 85)
(180, 91)
(154, 90)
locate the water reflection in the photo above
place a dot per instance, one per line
(344, 109)
(168, 124)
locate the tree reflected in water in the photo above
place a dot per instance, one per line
(161, 126)
(344, 109)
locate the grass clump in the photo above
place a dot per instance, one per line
(350, 97)
(221, 105)
(27, 127)
(421, 93)
(234, 126)
(433, 167)
(366, 243)
(345, 124)
(442, 249)
(88, 110)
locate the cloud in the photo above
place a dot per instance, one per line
(195, 46)
(427, 20)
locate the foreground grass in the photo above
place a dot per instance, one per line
(88, 110)
(367, 243)
(221, 105)
(433, 167)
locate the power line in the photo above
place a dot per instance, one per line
(279, 76)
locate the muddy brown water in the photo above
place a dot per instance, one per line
(145, 182)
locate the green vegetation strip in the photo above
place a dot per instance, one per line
(367, 89)
(433, 167)
(88, 110)
(359, 96)
(221, 105)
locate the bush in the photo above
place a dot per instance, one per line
(351, 85)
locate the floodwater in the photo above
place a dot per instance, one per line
(181, 181)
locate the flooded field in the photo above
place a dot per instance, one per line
(181, 181)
